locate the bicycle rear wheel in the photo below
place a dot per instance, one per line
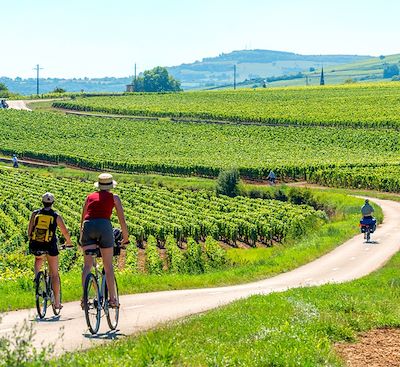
(112, 313)
(92, 303)
(41, 294)
(56, 311)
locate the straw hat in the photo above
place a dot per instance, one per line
(105, 182)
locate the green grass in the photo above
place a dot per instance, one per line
(294, 328)
(251, 264)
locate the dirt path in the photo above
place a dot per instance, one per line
(140, 312)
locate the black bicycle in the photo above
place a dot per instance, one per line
(44, 292)
(96, 293)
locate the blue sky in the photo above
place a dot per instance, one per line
(94, 38)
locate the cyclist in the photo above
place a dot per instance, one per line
(96, 229)
(271, 177)
(367, 210)
(42, 228)
(15, 161)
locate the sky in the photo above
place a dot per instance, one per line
(98, 38)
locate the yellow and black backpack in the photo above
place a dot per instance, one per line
(44, 227)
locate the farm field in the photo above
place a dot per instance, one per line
(192, 148)
(363, 105)
(151, 213)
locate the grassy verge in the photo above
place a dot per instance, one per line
(294, 328)
(250, 264)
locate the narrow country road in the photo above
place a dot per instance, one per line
(18, 105)
(139, 312)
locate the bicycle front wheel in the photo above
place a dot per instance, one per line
(112, 313)
(41, 294)
(92, 303)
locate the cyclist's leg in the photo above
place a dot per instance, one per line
(87, 262)
(107, 256)
(38, 264)
(55, 278)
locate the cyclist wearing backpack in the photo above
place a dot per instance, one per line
(42, 237)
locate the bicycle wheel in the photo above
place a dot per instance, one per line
(368, 235)
(92, 303)
(41, 294)
(112, 313)
(56, 311)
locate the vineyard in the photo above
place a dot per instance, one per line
(174, 220)
(192, 148)
(365, 105)
(383, 178)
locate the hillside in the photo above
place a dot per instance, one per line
(367, 70)
(214, 71)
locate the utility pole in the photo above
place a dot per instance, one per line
(37, 68)
(234, 76)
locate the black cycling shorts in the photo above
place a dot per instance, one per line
(52, 247)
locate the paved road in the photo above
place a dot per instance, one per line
(18, 105)
(139, 312)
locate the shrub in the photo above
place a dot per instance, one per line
(154, 263)
(194, 257)
(228, 183)
(175, 257)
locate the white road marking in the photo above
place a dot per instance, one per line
(211, 293)
(334, 269)
(132, 307)
(353, 258)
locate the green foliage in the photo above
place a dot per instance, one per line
(215, 255)
(175, 256)
(59, 90)
(131, 261)
(390, 70)
(4, 93)
(343, 105)
(156, 80)
(228, 183)
(154, 263)
(195, 263)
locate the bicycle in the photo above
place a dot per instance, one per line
(95, 293)
(43, 288)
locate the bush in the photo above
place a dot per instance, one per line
(175, 257)
(154, 263)
(131, 256)
(228, 183)
(194, 257)
(215, 255)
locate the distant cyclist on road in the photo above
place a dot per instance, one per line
(271, 177)
(15, 161)
(42, 237)
(96, 229)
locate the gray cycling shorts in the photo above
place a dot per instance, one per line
(97, 232)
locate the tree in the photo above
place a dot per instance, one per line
(4, 90)
(390, 71)
(228, 183)
(59, 90)
(156, 80)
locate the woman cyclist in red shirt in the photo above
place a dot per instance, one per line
(96, 229)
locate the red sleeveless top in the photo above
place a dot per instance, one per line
(99, 205)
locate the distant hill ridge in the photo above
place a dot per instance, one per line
(214, 71)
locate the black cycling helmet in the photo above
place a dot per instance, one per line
(366, 201)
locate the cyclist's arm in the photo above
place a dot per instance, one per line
(121, 218)
(64, 230)
(83, 216)
(30, 226)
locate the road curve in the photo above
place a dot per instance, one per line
(18, 105)
(139, 312)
